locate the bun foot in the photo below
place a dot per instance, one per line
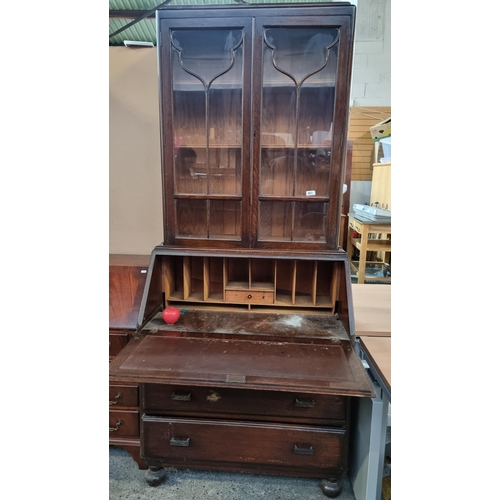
(331, 487)
(155, 475)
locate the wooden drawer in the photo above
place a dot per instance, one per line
(121, 395)
(354, 224)
(250, 296)
(247, 404)
(117, 341)
(123, 423)
(315, 451)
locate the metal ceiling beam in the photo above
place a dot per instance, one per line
(128, 14)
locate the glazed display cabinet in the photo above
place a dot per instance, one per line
(258, 373)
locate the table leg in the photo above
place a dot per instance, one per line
(349, 243)
(368, 446)
(362, 257)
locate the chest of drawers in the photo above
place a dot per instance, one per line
(252, 405)
(127, 276)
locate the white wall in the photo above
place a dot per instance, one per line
(371, 74)
(371, 77)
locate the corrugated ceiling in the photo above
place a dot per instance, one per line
(140, 15)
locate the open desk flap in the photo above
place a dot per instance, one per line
(316, 368)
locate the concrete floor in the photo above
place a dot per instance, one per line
(126, 482)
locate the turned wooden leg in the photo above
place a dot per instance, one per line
(331, 487)
(155, 475)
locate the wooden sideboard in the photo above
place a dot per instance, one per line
(127, 277)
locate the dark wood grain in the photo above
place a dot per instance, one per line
(243, 446)
(272, 406)
(127, 277)
(316, 368)
(188, 218)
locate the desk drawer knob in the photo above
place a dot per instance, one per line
(303, 449)
(181, 396)
(179, 441)
(304, 403)
(118, 423)
(117, 397)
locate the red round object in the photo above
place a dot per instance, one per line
(170, 315)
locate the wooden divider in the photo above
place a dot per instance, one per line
(308, 284)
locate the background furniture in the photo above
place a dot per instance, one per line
(380, 192)
(372, 309)
(372, 305)
(258, 373)
(370, 237)
(346, 197)
(127, 276)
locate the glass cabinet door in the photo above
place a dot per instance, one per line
(254, 117)
(206, 81)
(298, 91)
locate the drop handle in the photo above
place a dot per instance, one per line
(303, 449)
(118, 423)
(117, 397)
(301, 403)
(180, 441)
(181, 396)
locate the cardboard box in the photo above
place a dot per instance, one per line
(381, 129)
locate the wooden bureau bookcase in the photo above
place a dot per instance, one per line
(258, 373)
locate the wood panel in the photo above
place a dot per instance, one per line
(360, 121)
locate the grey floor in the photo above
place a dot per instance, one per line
(126, 481)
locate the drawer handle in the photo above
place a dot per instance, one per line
(118, 423)
(299, 403)
(179, 441)
(181, 396)
(303, 449)
(117, 397)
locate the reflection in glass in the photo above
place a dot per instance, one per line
(190, 174)
(309, 222)
(299, 76)
(292, 221)
(191, 218)
(225, 219)
(207, 73)
(275, 220)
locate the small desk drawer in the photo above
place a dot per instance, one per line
(250, 296)
(354, 224)
(123, 423)
(121, 395)
(247, 404)
(171, 442)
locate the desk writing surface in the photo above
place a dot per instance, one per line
(372, 309)
(331, 368)
(378, 349)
